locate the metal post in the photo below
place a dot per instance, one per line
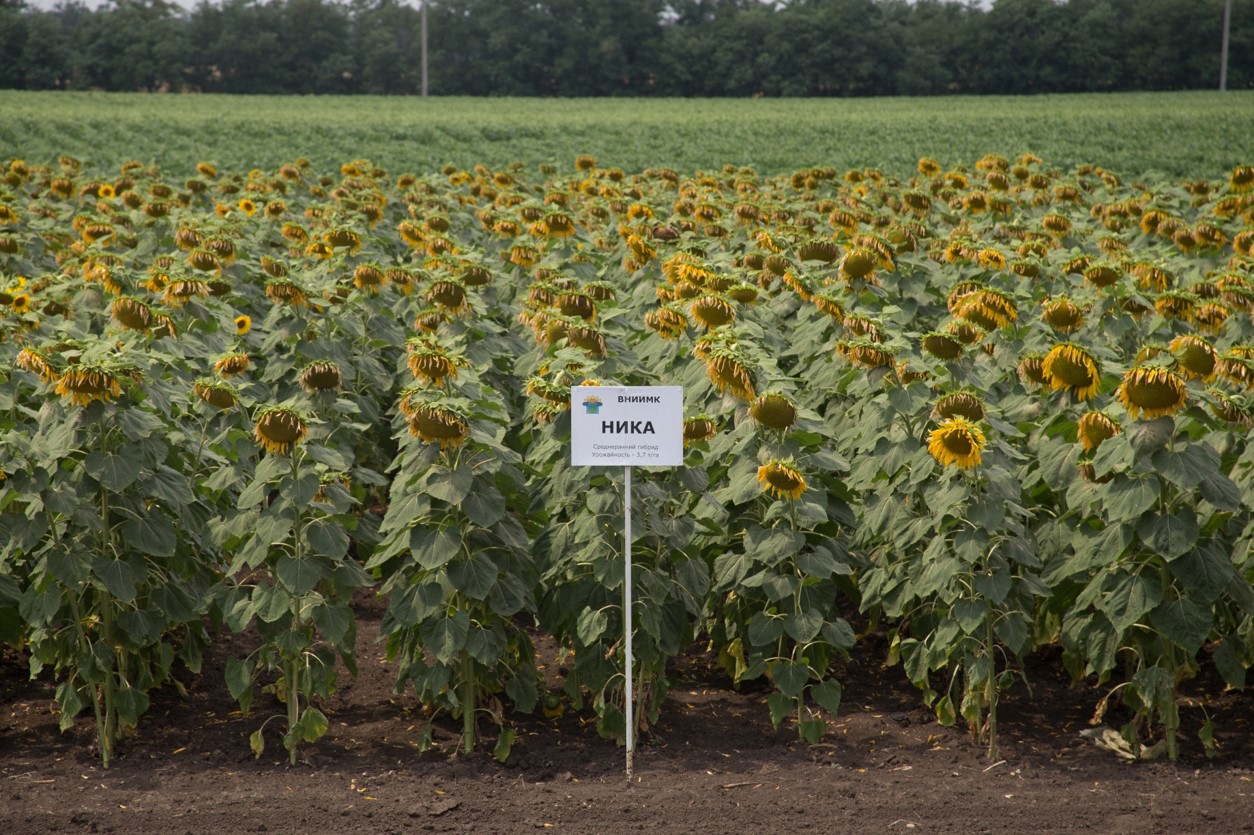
(631, 722)
(1223, 50)
(424, 48)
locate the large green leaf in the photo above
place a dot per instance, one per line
(450, 486)
(1128, 497)
(446, 636)
(116, 472)
(1184, 622)
(298, 576)
(1186, 466)
(474, 575)
(1169, 534)
(152, 533)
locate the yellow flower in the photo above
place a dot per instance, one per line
(232, 364)
(1069, 367)
(278, 429)
(781, 479)
(21, 303)
(1152, 392)
(243, 324)
(84, 383)
(1093, 428)
(436, 423)
(956, 442)
(215, 393)
(248, 207)
(320, 376)
(699, 428)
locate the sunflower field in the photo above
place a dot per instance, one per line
(986, 410)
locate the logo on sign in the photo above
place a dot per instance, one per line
(592, 404)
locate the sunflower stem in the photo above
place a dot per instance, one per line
(990, 686)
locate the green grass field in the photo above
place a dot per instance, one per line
(1176, 135)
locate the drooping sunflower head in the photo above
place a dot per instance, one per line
(1071, 368)
(729, 370)
(774, 411)
(438, 422)
(449, 294)
(279, 429)
(86, 381)
(215, 392)
(1241, 179)
(782, 479)
(342, 238)
(1062, 314)
(865, 353)
(1093, 428)
(320, 376)
(960, 404)
(1197, 358)
(699, 428)
(286, 291)
(369, 278)
(957, 442)
(1235, 410)
(712, 311)
(668, 322)
(944, 346)
(132, 313)
(432, 362)
(232, 364)
(1150, 392)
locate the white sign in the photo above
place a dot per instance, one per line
(627, 426)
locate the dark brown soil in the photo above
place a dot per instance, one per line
(713, 764)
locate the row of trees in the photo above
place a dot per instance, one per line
(628, 47)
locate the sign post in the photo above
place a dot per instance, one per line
(627, 426)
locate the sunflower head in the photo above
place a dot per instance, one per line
(699, 428)
(1197, 358)
(944, 346)
(774, 411)
(320, 376)
(243, 324)
(1069, 367)
(667, 321)
(956, 442)
(215, 392)
(712, 311)
(782, 479)
(131, 313)
(1152, 391)
(438, 423)
(729, 370)
(1093, 428)
(232, 364)
(279, 428)
(1063, 315)
(285, 291)
(432, 362)
(87, 381)
(960, 404)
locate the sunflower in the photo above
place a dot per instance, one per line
(248, 207)
(668, 322)
(131, 313)
(941, 345)
(279, 428)
(21, 304)
(699, 428)
(1231, 409)
(1237, 366)
(782, 479)
(320, 375)
(729, 371)
(231, 365)
(438, 423)
(182, 290)
(859, 264)
(1068, 367)
(283, 291)
(1241, 179)
(1195, 356)
(215, 392)
(1176, 304)
(928, 167)
(960, 404)
(864, 352)
(991, 259)
(1151, 392)
(85, 382)
(773, 410)
(958, 442)
(206, 170)
(1211, 317)
(243, 324)
(1063, 315)
(1056, 226)
(37, 363)
(1093, 428)
(432, 362)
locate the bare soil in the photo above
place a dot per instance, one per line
(713, 764)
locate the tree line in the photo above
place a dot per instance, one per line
(627, 47)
